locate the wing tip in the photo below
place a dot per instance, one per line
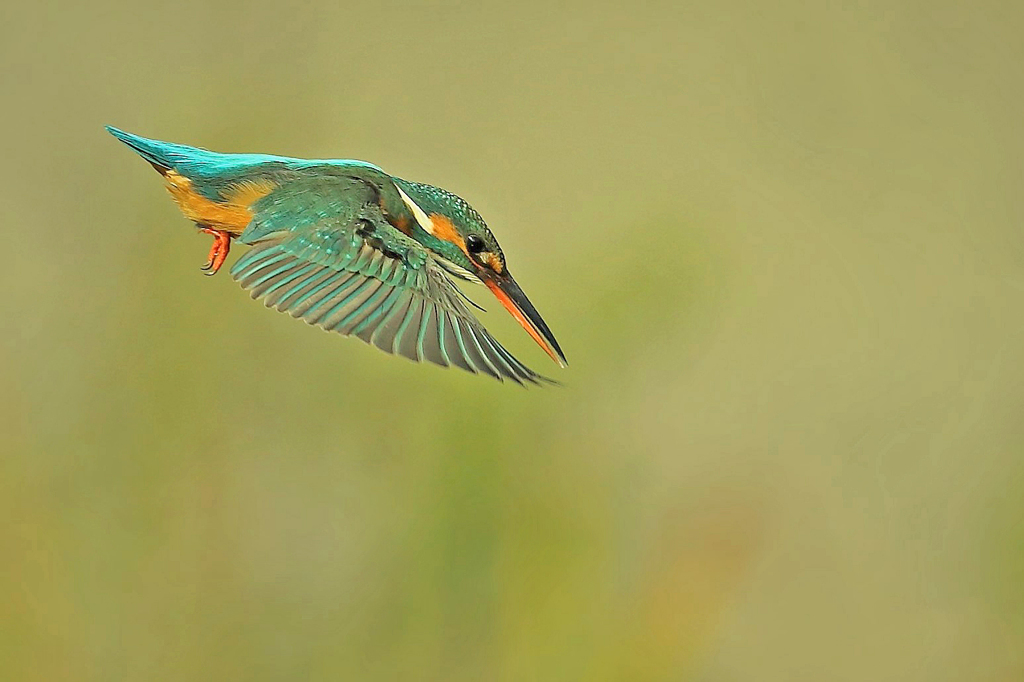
(263, 261)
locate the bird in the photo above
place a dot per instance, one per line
(349, 248)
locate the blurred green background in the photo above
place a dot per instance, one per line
(780, 243)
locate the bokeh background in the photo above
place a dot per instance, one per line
(781, 244)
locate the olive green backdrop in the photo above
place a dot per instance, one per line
(781, 244)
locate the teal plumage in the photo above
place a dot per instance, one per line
(343, 268)
(346, 247)
(212, 171)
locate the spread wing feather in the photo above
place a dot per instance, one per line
(325, 253)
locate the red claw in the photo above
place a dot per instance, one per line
(219, 250)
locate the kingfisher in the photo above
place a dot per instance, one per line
(345, 246)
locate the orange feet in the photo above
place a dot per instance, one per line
(219, 250)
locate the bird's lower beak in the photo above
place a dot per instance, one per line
(512, 297)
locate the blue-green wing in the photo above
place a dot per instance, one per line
(323, 252)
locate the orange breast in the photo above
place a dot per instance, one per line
(231, 215)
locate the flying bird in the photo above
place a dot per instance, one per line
(346, 247)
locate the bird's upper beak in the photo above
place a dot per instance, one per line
(512, 297)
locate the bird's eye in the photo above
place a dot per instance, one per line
(474, 244)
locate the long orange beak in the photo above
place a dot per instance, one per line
(512, 297)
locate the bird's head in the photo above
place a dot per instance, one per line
(451, 229)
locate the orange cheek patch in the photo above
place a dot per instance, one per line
(443, 229)
(494, 263)
(231, 215)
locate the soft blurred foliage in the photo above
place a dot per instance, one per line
(781, 244)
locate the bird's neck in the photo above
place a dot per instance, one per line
(439, 247)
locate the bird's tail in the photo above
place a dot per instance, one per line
(163, 156)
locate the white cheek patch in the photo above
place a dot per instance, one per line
(422, 218)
